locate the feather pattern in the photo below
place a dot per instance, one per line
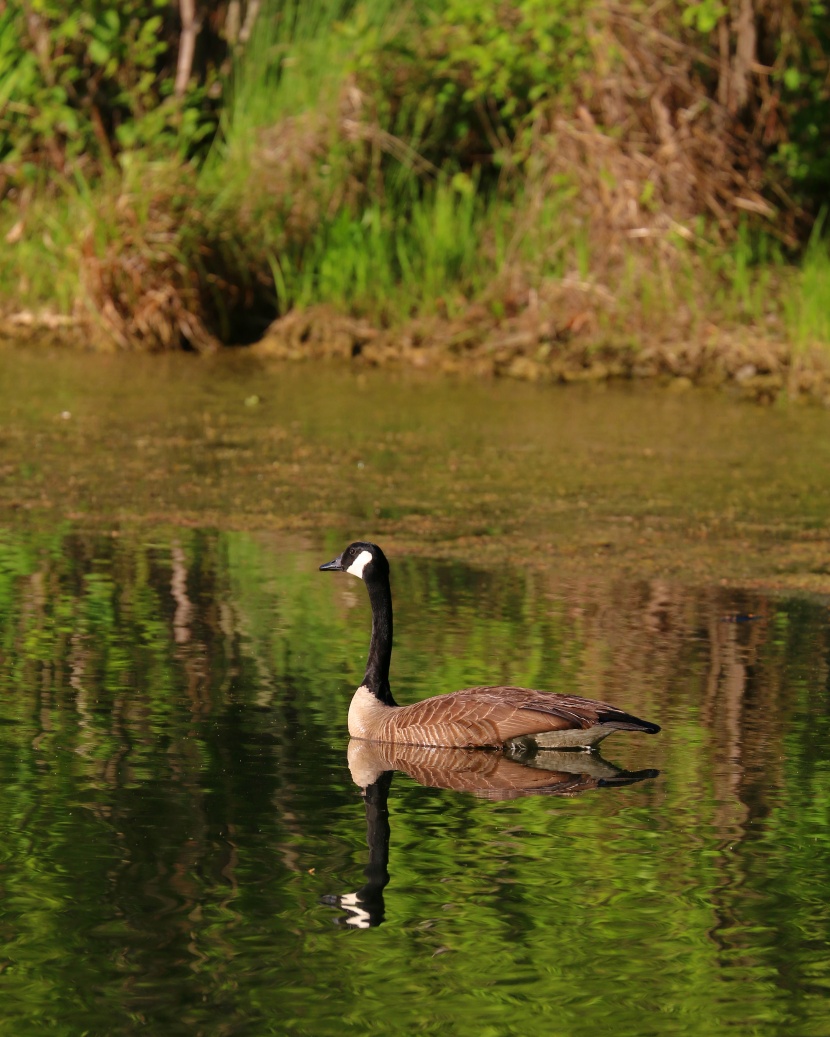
(483, 717)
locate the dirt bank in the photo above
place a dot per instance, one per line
(534, 347)
(529, 345)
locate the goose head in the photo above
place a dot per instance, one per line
(361, 559)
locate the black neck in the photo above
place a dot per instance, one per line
(380, 647)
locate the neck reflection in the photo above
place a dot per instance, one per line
(490, 775)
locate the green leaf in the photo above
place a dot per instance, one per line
(792, 78)
(98, 52)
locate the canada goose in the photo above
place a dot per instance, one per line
(486, 717)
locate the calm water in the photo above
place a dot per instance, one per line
(183, 847)
(178, 812)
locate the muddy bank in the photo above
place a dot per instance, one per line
(528, 346)
(535, 348)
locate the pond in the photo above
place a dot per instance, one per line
(184, 843)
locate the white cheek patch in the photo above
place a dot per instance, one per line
(359, 564)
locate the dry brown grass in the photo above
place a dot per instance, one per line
(141, 283)
(655, 144)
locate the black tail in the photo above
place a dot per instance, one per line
(626, 722)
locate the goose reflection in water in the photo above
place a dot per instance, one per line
(487, 775)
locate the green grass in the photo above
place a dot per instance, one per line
(745, 273)
(418, 250)
(36, 253)
(447, 244)
(807, 303)
(391, 261)
(296, 61)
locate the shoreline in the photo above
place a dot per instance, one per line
(529, 346)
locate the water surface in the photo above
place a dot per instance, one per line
(181, 834)
(695, 487)
(179, 814)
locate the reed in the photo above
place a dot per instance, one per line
(807, 302)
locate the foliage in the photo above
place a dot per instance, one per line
(350, 151)
(80, 83)
(464, 82)
(780, 62)
(801, 74)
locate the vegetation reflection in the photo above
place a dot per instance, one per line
(177, 802)
(494, 775)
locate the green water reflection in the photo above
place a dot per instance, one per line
(178, 810)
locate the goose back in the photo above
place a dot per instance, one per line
(488, 717)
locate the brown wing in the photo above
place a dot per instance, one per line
(491, 716)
